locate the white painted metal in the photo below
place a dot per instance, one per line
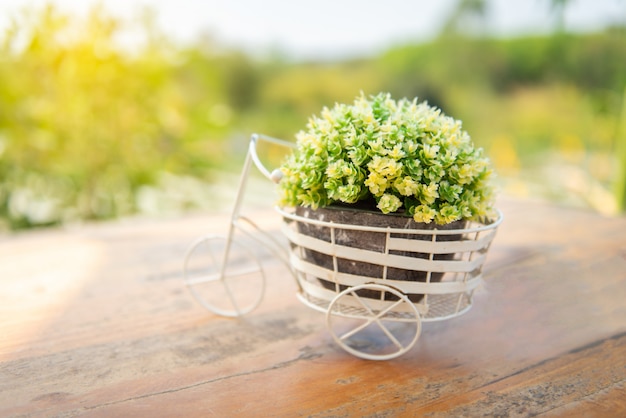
(435, 300)
(367, 313)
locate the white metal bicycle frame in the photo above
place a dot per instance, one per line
(332, 302)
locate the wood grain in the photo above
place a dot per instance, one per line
(96, 321)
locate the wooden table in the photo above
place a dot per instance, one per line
(96, 321)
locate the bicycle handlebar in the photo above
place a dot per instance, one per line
(276, 174)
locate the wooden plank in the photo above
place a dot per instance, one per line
(97, 321)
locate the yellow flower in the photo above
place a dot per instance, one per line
(384, 166)
(428, 194)
(386, 127)
(465, 173)
(376, 183)
(406, 186)
(333, 170)
(377, 147)
(327, 115)
(410, 147)
(349, 138)
(388, 203)
(390, 103)
(424, 214)
(431, 151)
(396, 153)
(447, 214)
(348, 193)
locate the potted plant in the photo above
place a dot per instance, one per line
(385, 163)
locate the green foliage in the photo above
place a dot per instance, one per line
(394, 156)
(86, 126)
(83, 126)
(620, 184)
(592, 62)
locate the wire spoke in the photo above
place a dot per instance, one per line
(374, 318)
(383, 348)
(369, 309)
(389, 335)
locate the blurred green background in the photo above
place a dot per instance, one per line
(90, 130)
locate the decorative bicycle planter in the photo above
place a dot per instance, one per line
(374, 316)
